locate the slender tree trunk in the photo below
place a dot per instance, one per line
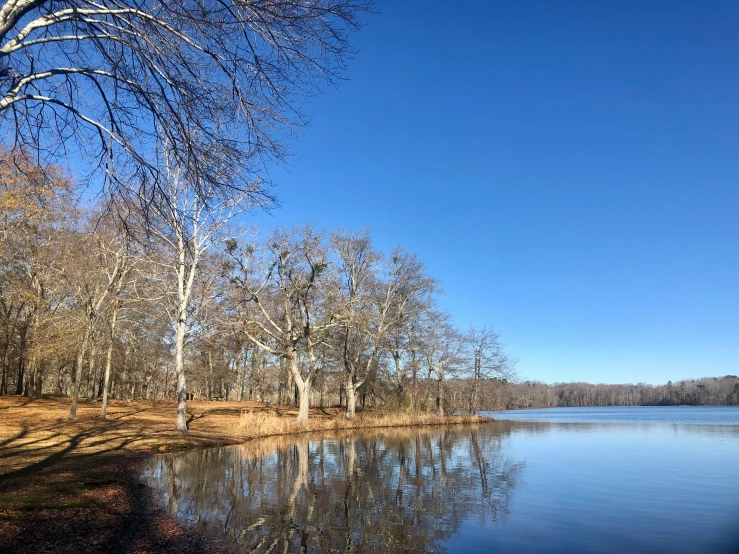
(180, 371)
(6, 363)
(109, 355)
(22, 356)
(32, 331)
(283, 389)
(475, 383)
(440, 390)
(240, 361)
(19, 380)
(91, 375)
(4, 380)
(414, 387)
(210, 381)
(78, 373)
(399, 377)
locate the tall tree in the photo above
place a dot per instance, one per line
(189, 218)
(291, 289)
(391, 286)
(442, 349)
(92, 267)
(34, 205)
(487, 359)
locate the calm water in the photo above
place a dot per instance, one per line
(574, 480)
(708, 415)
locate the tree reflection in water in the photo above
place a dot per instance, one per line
(405, 490)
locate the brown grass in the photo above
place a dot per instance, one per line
(259, 423)
(56, 473)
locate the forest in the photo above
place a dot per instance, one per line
(184, 301)
(708, 391)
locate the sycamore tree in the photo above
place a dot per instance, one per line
(293, 290)
(188, 218)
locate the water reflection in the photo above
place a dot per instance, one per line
(394, 491)
(584, 487)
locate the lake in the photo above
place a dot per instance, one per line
(655, 479)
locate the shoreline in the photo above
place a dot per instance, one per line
(76, 485)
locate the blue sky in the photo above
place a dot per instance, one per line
(568, 170)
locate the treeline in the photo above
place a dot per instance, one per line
(179, 300)
(709, 391)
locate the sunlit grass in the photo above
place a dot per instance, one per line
(256, 424)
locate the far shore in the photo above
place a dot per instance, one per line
(75, 485)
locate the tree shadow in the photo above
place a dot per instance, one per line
(84, 496)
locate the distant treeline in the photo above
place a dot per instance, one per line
(709, 391)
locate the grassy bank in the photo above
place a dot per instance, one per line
(73, 485)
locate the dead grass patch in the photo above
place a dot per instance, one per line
(255, 424)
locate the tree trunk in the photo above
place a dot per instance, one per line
(6, 363)
(414, 378)
(475, 380)
(399, 377)
(22, 354)
(32, 330)
(351, 397)
(283, 388)
(78, 374)
(180, 371)
(38, 381)
(91, 377)
(304, 402)
(19, 381)
(440, 396)
(240, 362)
(303, 386)
(109, 356)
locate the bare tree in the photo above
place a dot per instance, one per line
(125, 262)
(488, 360)
(92, 268)
(289, 287)
(108, 79)
(189, 218)
(379, 292)
(442, 349)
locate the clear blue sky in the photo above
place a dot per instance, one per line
(568, 170)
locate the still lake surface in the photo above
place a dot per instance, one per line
(655, 479)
